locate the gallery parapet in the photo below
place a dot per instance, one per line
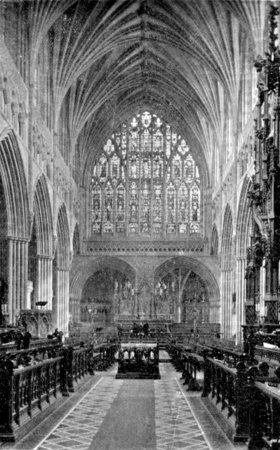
(146, 246)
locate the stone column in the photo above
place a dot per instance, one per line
(75, 308)
(17, 276)
(10, 280)
(61, 304)
(28, 294)
(226, 293)
(240, 296)
(44, 280)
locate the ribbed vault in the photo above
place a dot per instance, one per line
(179, 59)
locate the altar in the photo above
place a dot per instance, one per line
(138, 360)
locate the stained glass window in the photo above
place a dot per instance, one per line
(145, 182)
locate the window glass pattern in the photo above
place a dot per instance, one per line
(145, 182)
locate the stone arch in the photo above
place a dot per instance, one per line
(63, 238)
(43, 217)
(199, 268)
(17, 227)
(82, 271)
(14, 184)
(214, 241)
(243, 220)
(40, 247)
(227, 239)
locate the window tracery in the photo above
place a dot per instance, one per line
(145, 182)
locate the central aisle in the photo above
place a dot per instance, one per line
(129, 415)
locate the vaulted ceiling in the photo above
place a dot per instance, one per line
(177, 58)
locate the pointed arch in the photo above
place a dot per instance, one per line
(243, 220)
(43, 217)
(196, 267)
(63, 239)
(14, 185)
(214, 241)
(82, 271)
(227, 239)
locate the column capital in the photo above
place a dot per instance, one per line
(44, 257)
(18, 239)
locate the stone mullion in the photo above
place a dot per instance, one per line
(139, 184)
(164, 192)
(177, 209)
(114, 207)
(127, 183)
(152, 182)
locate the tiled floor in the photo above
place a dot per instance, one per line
(176, 426)
(80, 425)
(172, 418)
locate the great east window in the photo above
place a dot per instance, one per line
(145, 182)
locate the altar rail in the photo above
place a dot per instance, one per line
(246, 395)
(25, 391)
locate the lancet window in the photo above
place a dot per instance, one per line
(145, 182)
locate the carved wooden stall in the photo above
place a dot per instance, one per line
(33, 380)
(262, 272)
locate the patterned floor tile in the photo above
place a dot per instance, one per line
(176, 426)
(83, 422)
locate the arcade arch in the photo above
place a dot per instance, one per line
(82, 279)
(194, 289)
(15, 233)
(129, 295)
